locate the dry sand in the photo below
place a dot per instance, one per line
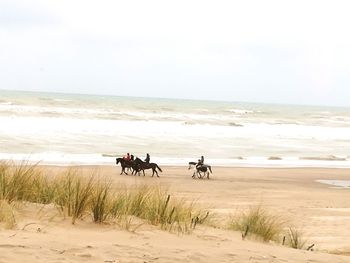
(322, 212)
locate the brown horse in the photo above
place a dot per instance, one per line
(142, 166)
(124, 163)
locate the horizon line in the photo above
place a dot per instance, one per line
(175, 98)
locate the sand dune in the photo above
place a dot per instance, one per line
(322, 212)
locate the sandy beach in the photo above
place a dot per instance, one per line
(322, 213)
(256, 90)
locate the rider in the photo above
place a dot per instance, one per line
(127, 157)
(148, 158)
(200, 161)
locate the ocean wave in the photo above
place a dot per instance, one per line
(3, 102)
(275, 158)
(91, 124)
(62, 100)
(235, 124)
(241, 111)
(324, 158)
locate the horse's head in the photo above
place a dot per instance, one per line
(117, 160)
(190, 165)
(138, 160)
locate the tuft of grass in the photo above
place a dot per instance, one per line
(171, 214)
(295, 238)
(101, 204)
(157, 207)
(259, 223)
(73, 193)
(16, 182)
(7, 215)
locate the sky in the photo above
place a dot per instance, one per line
(295, 52)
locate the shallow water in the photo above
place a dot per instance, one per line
(336, 183)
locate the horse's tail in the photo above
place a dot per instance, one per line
(210, 169)
(159, 168)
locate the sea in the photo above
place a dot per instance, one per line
(77, 129)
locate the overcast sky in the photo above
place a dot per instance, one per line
(260, 51)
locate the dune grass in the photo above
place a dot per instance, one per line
(16, 182)
(7, 214)
(73, 193)
(294, 238)
(259, 223)
(77, 196)
(101, 203)
(156, 207)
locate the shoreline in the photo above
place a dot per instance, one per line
(252, 162)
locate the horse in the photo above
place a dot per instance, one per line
(141, 165)
(205, 168)
(124, 163)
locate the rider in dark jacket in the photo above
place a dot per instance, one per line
(200, 161)
(148, 158)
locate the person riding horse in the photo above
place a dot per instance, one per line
(200, 162)
(200, 168)
(124, 163)
(140, 165)
(148, 158)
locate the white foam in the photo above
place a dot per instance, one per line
(119, 125)
(240, 111)
(55, 158)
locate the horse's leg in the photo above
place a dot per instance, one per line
(155, 171)
(124, 170)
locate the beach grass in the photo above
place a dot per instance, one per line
(295, 238)
(157, 207)
(77, 196)
(16, 182)
(7, 214)
(258, 222)
(73, 193)
(101, 203)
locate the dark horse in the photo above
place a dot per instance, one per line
(142, 166)
(124, 163)
(204, 168)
